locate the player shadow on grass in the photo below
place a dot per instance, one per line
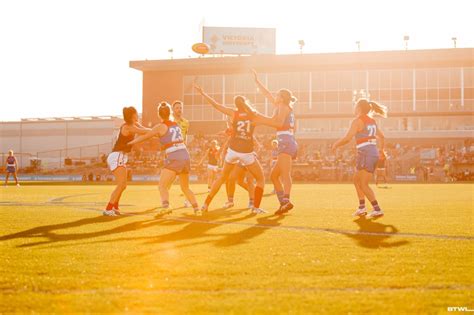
(199, 227)
(195, 227)
(263, 224)
(48, 231)
(372, 234)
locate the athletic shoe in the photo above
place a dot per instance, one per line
(361, 212)
(109, 213)
(284, 208)
(258, 210)
(375, 214)
(197, 212)
(228, 204)
(204, 208)
(187, 204)
(17, 185)
(165, 210)
(250, 206)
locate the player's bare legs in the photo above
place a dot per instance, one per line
(365, 178)
(167, 177)
(362, 210)
(120, 174)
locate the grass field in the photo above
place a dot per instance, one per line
(59, 254)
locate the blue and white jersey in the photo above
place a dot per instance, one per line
(173, 142)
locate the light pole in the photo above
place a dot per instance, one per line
(454, 39)
(358, 45)
(406, 38)
(171, 52)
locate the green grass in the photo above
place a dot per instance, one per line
(62, 256)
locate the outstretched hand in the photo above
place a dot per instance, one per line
(198, 88)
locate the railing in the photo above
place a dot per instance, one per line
(72, 156)
(57, 159)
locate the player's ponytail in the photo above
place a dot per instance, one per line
(287, 97)
(378, 109)
(367, 107)
(128, 113)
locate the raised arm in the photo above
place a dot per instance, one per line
(276, 121)
(355, 126)
(158, 130)
(262, 87)
(225, 110)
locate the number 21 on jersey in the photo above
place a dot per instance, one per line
(243, 127)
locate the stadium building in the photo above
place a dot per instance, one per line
(430, 93)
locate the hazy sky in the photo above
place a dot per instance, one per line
(64, 58)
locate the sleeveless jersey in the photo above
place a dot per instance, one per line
(366, 137)
(289, 124)
(11, 161)
(173, 139)
(213, 156)
(242, 133)
(121, 143)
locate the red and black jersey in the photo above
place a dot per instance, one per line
(122, 141)
(213, 156)
(242, 133)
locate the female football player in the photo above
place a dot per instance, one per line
(241, 147)
(117, 159)
(367, 134)
(239, 175)
(284, 121)
(177, 160)
(212, 154)
(11, 168)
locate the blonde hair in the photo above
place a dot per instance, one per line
(10, 152)
(371, 108)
